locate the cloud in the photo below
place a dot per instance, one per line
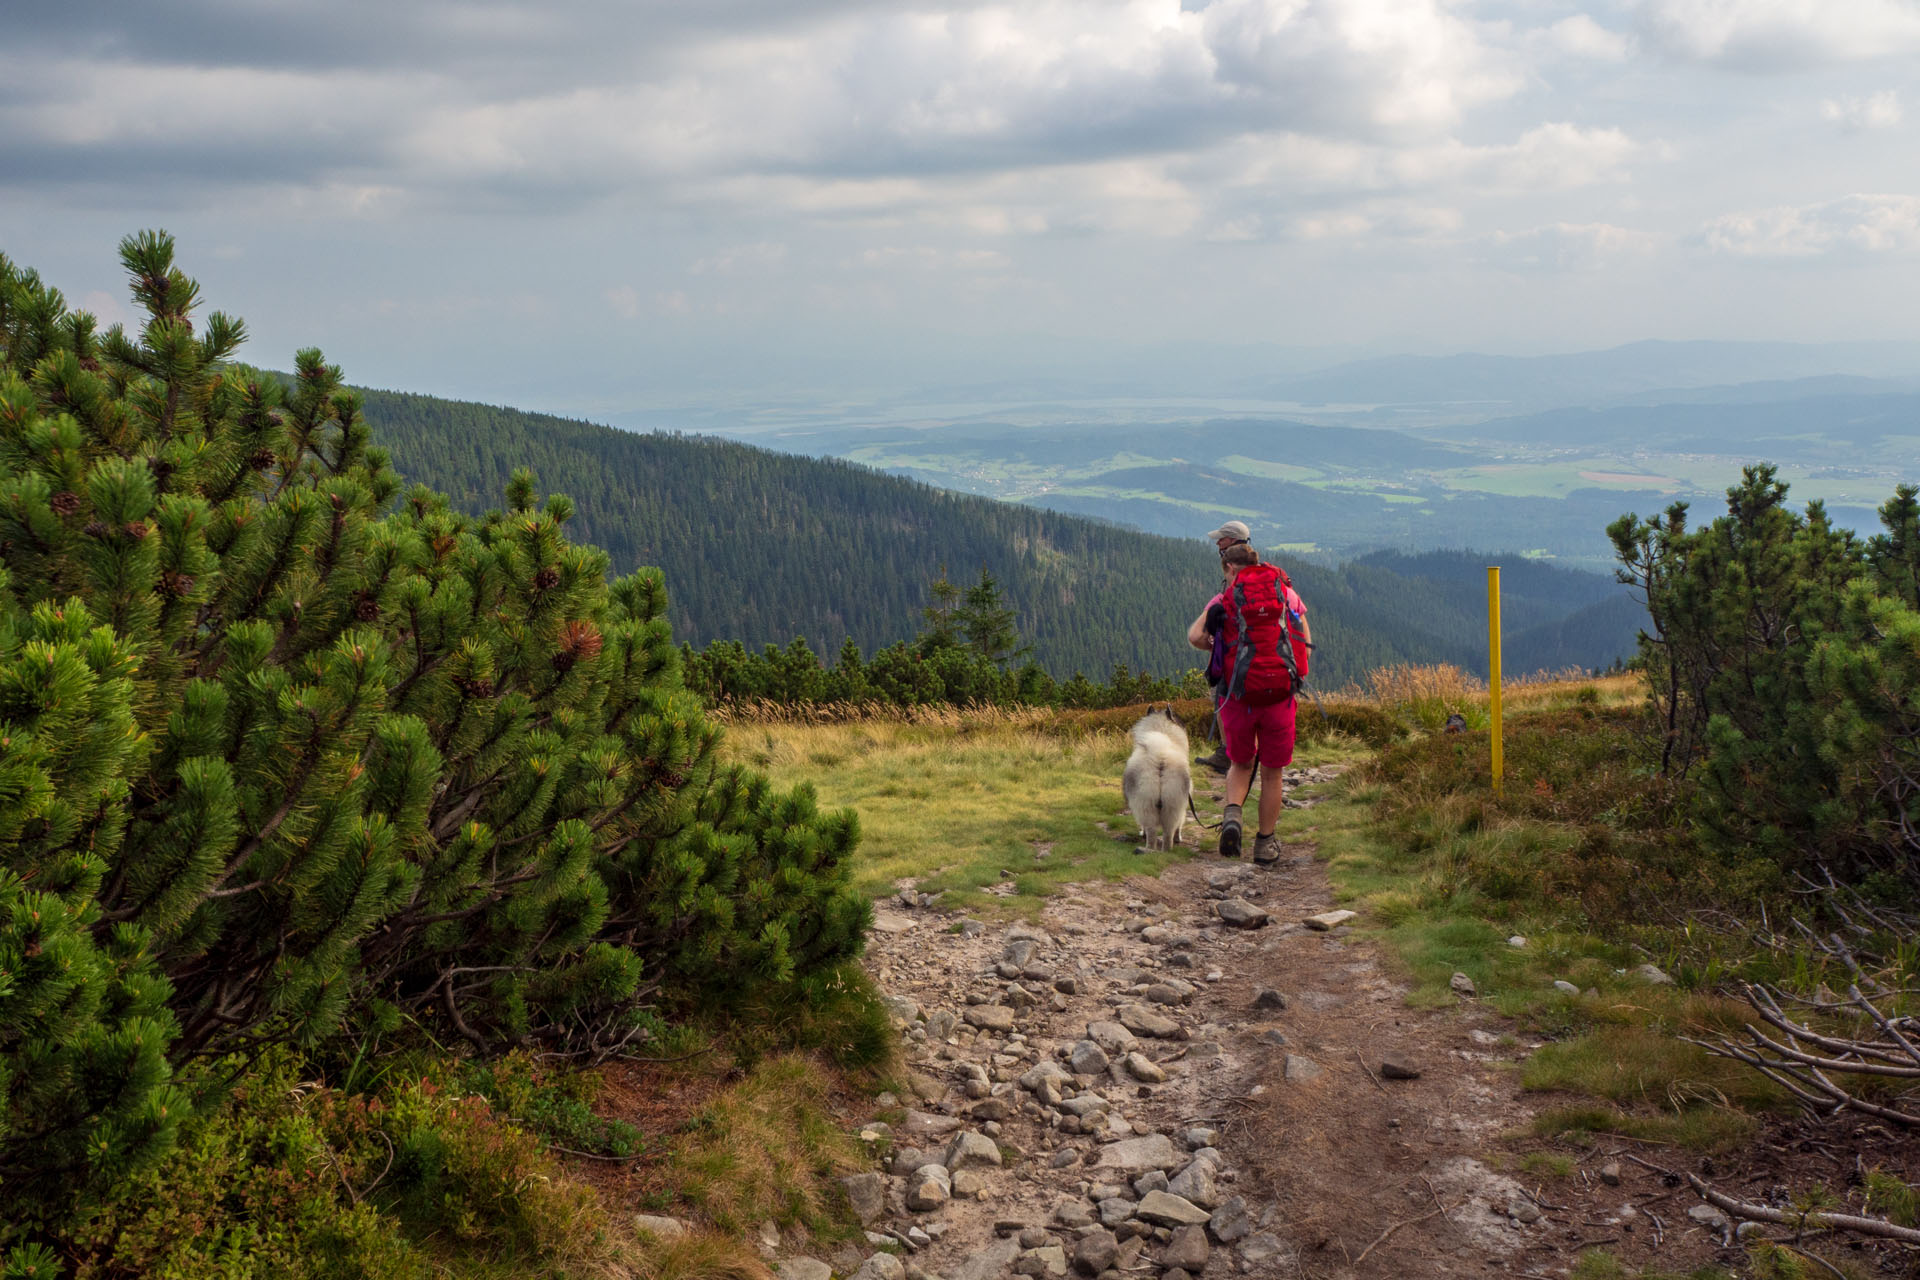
(1857, 115)
(1579, 36)
(1780, 35)
(1565, 247)
(1861, 224)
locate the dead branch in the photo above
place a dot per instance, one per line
(1810, 1220)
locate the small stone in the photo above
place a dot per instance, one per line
(1564, 987)
(881, 1266)
(1197, 1138)
(1708, 1216)
(1067, 986)
(1087, 1058)
(867, 1193)
(1299, 1070)
(1034, 1238)
(1114, 1210)
(928, 1189)
(1230, 1221)
(1517, 940)
(990, 1017)
(1151, 1180)
(990, 1109)
(969, 1184)
(1143, 1021)
(972, 1151)
(1394, 1067)
(1046, 1071)
(1145, 1069)
(1096, 1251)
(1240, 913)
(1652, 973)
(802, 1269)
(1261, 1247)
(924, 1124)
(663, 1228)
(1110, 1036)
(919, 1239)
(1048, 1261)
(1198, 1183)
(1137, 1155)
(1610, 1173)
(1166, 1210)
(1268, 998)
(1063, 1158)
(1073, 1213)
(1188, 1250)
(1330, 920)
(1462, 985)
(1271, 1036)
(1523, 1211)
(907, 1161)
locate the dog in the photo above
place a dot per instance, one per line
(1157, 782)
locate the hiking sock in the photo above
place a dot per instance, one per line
(1230, 831)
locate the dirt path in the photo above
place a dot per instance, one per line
(1140, 1088)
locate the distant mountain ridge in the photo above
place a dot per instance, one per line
(761, 547)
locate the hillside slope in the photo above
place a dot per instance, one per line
(761, 547)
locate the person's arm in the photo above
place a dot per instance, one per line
(1197, 633)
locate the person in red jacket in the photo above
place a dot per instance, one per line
(1257, 706)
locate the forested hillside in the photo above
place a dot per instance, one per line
(761, 547)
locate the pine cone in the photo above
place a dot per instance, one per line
(136, 529)
(261, 459)
(160, 467)
(563, 662)
(547, 579)
(366, 608)
(65, 502)
(177, 583)
(94, 529)
(478, 687)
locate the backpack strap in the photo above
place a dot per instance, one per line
(1243, 650)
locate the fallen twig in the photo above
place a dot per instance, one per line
(1382, 1239)
(1369, 1070)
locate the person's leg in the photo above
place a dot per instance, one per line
(1272, 794)
(1275, 731)
(1218, 761)
(1236, 730)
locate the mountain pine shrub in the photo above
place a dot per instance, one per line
(1785, 670)
(285, 744)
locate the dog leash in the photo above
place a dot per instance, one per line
(1205, 826)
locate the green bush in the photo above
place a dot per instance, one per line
(285, 750)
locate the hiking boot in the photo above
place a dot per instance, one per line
(1230, 832)
(1217, 762)
(1266, 848)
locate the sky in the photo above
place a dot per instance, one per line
(595, 206)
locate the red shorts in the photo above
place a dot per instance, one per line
(1265, 731)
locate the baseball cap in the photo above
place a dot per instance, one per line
(1231, 529)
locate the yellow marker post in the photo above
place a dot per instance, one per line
(1493, 665)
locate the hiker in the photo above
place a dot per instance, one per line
(1232, 533)
(1258, 625)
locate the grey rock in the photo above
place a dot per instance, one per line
(928, 1189)
(919, 1239)
(664, 1228)
(1145, 1069)
(881, 1266)
(1273, 1036)
(867, 1193)
(1197, 1138)
(924, 1125)
(1565, 988)
(1096, 1251)
(1175, 1273)
(1261, 1247)
(1034, 1238)
(990, 1109)
(990, 1017)
(1151, 1180)
(1299, 1070)
(1067, 986)
(1020, 952)
(1137, 1155)
(1163, 993)
(1330, 920)
(989, 1262)
(1087, 1058)
(972, 1151)
(1240, 913)
(1110, 1036)
(1517, 940)
(1086, 1104)
(1048, 1070)
(1199, 1183)
(1188, 1249)
(1230, 1221)
(1708, 1216)
(1073, 1213)
(903, 1010)
(1143, 1021)
(1610, 1173)
(1064, 1158)
(1461, 985)
(1397, 1067)
(1651, 973)
(969, 1184)
(1523, 1211)
(941, 1022)
(1050, 1260)
(802, 1269)
(1268, 998)
(1164, 1209)
(1113, 1211)
(1031, 933)
(906, 1161)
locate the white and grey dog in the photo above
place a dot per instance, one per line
(1158, 782)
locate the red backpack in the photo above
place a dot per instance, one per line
(1267, 651)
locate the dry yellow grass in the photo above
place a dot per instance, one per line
(698, 1255)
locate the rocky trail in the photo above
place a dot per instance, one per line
(1208, 1074)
